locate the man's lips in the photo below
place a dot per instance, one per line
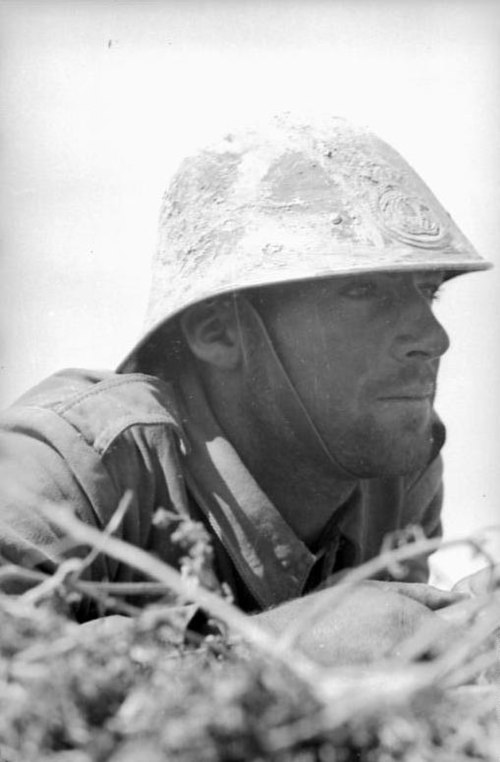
(420, 393)
(421, 390)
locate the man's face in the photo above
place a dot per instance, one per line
(363, 353)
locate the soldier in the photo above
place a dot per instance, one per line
(283, 391)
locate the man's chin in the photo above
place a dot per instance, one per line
(405, 462)
(400, 464)
(388, 453)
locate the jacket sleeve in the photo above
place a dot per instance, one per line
(37, 453)
(86, 456)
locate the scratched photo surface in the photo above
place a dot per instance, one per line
(101, 101)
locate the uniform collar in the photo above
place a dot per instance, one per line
(272, 561)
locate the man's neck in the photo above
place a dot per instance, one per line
(305, 492)
(292, 471)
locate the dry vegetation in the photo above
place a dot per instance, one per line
(136, 690)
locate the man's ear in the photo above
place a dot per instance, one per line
(212, 333)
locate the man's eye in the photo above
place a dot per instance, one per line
(359, 290)
(431, 291)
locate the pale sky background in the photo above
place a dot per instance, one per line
(100, 100)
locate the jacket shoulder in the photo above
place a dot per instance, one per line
(100, 405)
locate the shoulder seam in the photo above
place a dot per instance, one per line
(109, 436)
(102, 386)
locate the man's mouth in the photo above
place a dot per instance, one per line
(410, 396)
(416, 393)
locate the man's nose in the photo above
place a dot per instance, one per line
(421, 334)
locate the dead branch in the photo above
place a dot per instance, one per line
(216, 606)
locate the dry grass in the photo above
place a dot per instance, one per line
(137, 691)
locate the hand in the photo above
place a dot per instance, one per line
(480, 583)
(369, 623)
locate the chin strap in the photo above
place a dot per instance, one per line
(292, 405)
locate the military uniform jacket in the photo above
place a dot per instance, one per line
(84, 439)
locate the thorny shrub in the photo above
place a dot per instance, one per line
(139, 691)
(75, 694)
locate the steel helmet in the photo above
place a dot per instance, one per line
(295, 200)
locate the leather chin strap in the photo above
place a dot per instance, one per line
(292, 406)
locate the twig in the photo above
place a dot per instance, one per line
(108, 602)
(104, 592)
(378, 687)
(217, 607)
(124, 588)
(469, 671)
(113, 524)
(472, 639)
(419, 642)
(50, 584)
(65, 577)
(12, 571)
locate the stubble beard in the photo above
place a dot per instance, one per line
(374, 448)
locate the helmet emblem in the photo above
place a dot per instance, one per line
(408, 219)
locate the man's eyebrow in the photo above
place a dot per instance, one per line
(437, 274)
